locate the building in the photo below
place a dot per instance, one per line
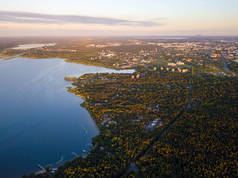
(171, 64)
(179, 63)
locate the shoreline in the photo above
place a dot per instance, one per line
(69, 60)
(84, 154)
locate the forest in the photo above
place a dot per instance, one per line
(148, 130)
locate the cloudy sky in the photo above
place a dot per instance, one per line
(124, 17)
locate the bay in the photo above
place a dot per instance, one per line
(40, 122)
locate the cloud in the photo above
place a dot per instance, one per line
(27, 17)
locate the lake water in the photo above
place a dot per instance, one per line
(40, 122)
(30, 46)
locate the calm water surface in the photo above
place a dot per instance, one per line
(40, 122)
(30, 46)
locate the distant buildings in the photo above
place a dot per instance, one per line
(179, 63)
(213, 55)
(171, 64)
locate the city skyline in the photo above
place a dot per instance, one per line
(106, 18)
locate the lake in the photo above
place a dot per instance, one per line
(40, 122)
(30, 46)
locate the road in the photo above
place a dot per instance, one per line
(225, 64)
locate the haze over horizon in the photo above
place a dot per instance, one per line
(124, 18)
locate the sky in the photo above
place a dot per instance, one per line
(118, 18)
